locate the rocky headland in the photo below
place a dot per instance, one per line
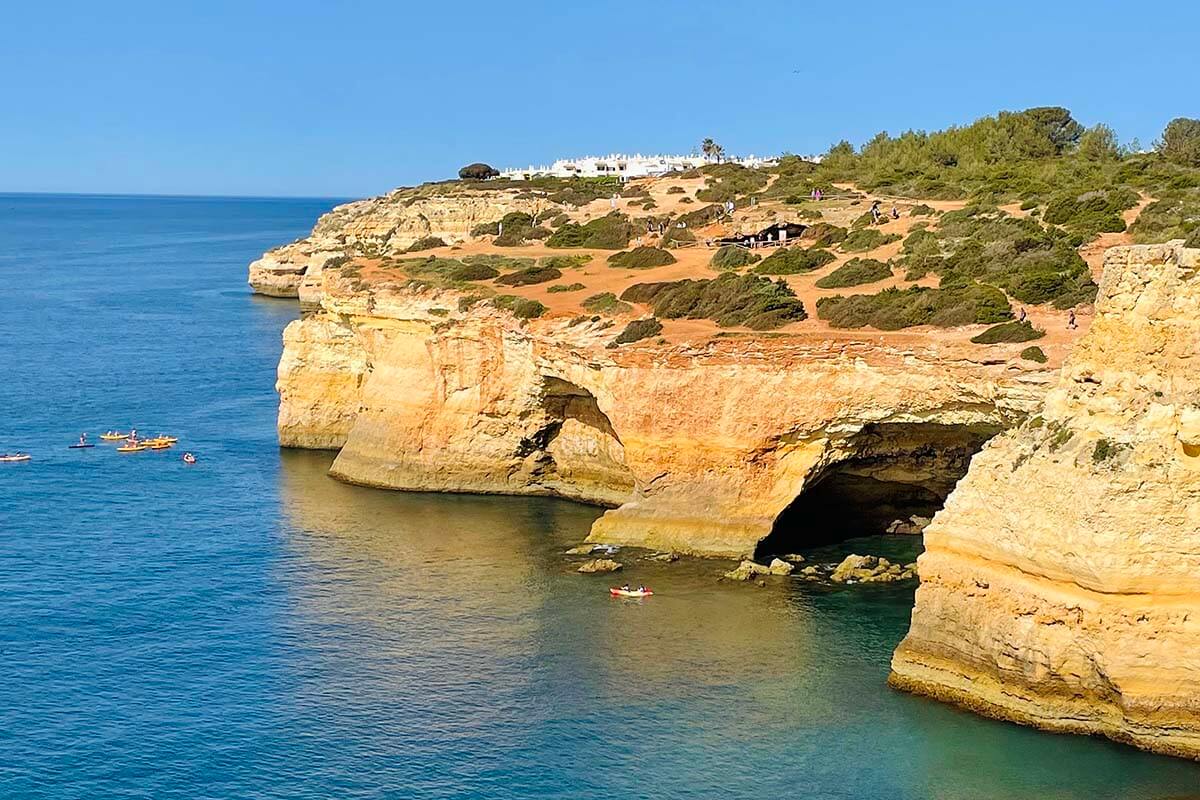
(1059, 586)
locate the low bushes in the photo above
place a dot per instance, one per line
(611, 232)
(675, 190)
(1007, 332)
(675, 234)
(564, 262)
(1092, 212)
(922, 210)
(861, 241)
(855, 272)
(641, 258)
(1034, 353)
(731, 256)
(893, 309)
(729, 181)
(497, 261)
(425, 243)
(606, 303)
(519, 307)
(565, 287)
(824, 234)
(757, 303)
(639, 329)
(478, 171)
(471, 272)
(530, 276)
(793, 260)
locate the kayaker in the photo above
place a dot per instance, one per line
(625, 588)
(83, 438)
(642, 588)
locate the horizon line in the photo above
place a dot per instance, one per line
(185, 196)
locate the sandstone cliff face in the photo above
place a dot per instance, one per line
(698, 449)
(383, 225)
(1060, 586)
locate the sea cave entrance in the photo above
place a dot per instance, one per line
(886, 473)
(581, 456)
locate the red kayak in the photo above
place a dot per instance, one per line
(615, 592)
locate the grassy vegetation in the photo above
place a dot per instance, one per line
(732, 257)
(1008, 332)
(565, 287)
(676, 190)
(724, 182)
(1034, 353)
(529, 277)
(1175, 215)
(499, 262)
(861, 241)
(444, 272)
(747, 300)
(519, 307)
(425, 243)
(922, 210)
(639, 329)
(674, 235)
(893, 309)
(794, 260)
(855, 272)
(565, 262)
(611, 232)
(471, 272)
(606, 303)
(641, 258)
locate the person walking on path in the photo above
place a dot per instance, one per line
(1071, 323)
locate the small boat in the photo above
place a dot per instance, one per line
(80, 445)
(13, 457)
(113, 436)
(618, 592)
(167, 439)
(132, 447)
(188, 458)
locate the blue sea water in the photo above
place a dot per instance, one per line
(249, 628)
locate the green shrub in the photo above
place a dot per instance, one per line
(606, 303)
(1029, 205)
(824, 234)
(499, 262)
(861, 241)
(643, 257)
(794, 260)
(731, 256)
(478, 171)
(472, 272)
(1007, 332)
(748, 300)
(565, 287)
(855, 272)
(1034, 353)
(1175, 215)
(1180, 142)
(425, 243)
(528, 277)
(1103, 450)
(810, 214)
(675, 190)
(611, 232)
(639, 329)
(1193, 239)
(635, 190)
(922, 210)
(519, 307)
(674, 235)
(686, 200)
(893, 309)
(558, 221)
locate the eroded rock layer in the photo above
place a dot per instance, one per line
(1060, 586)
(696, 448)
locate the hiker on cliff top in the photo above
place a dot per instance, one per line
(1023, 315)
(1071, 324)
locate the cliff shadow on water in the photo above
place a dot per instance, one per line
(888, 477)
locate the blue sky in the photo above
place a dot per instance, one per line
(352, 98)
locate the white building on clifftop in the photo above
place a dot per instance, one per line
(622, 166)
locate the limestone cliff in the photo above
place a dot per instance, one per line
(1060, 586)
(699, 448)
(384, 225)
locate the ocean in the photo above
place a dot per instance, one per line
(249, 628)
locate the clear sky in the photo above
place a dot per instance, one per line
(352, 98)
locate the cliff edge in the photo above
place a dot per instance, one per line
(1060, 586)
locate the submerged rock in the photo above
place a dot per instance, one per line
(663, 558)
(793, 558)
(747, 570)
(580, 550)
(599, 565)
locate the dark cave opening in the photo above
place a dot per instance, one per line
(890, 472)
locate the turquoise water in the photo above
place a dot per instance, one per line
(248, 628)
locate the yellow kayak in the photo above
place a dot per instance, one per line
(159, 446)
(113, 437)
(131, 448)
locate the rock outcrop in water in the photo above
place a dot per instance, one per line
(1060, 586)
(379, 226)
(698, 449)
